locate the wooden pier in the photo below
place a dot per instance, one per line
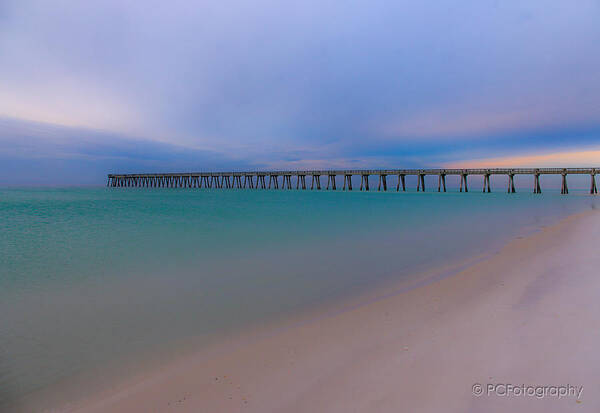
(283, 179)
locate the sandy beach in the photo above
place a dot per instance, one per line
(527, 316)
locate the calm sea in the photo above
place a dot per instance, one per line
(89, 276)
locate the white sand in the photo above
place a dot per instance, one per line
(528, 315)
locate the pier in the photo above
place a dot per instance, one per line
(284, 179)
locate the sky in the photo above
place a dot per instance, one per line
(107, 86)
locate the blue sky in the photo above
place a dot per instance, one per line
(93, 87)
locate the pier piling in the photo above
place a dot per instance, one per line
(364, 180)
(382, 182)
(537, 189)
(347, 182)
(511, 183)
(331, 179)
(316, 179)
(421, 182)
(463, 182)
(486, 183)
(564, 188)
(441, 182)
(275, 179)
(401, 180)
(301, 180)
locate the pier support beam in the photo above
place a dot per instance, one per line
(421, 182)
(382, 182)
(250, 180)
(364, 182)
(287, 182)
(463, 183)
(593, 188)
(536, 184)
(347, 182)
(316, 179)
(564, 189)
(331, 179)
(511, 183)
(486, 183)
(275, 180)
(261, 180)
(301, 180)
(441, 182)
(401, 180)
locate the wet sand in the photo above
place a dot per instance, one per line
(528, 315)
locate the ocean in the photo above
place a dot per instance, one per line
(90, 276)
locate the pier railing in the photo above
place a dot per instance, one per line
(283, 179)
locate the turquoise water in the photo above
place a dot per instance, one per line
(93, 275)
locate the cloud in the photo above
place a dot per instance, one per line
(314, 82)
(40, 153)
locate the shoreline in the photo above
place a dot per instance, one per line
(295, 369)
(93, 386)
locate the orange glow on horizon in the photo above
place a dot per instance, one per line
(587, 158)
